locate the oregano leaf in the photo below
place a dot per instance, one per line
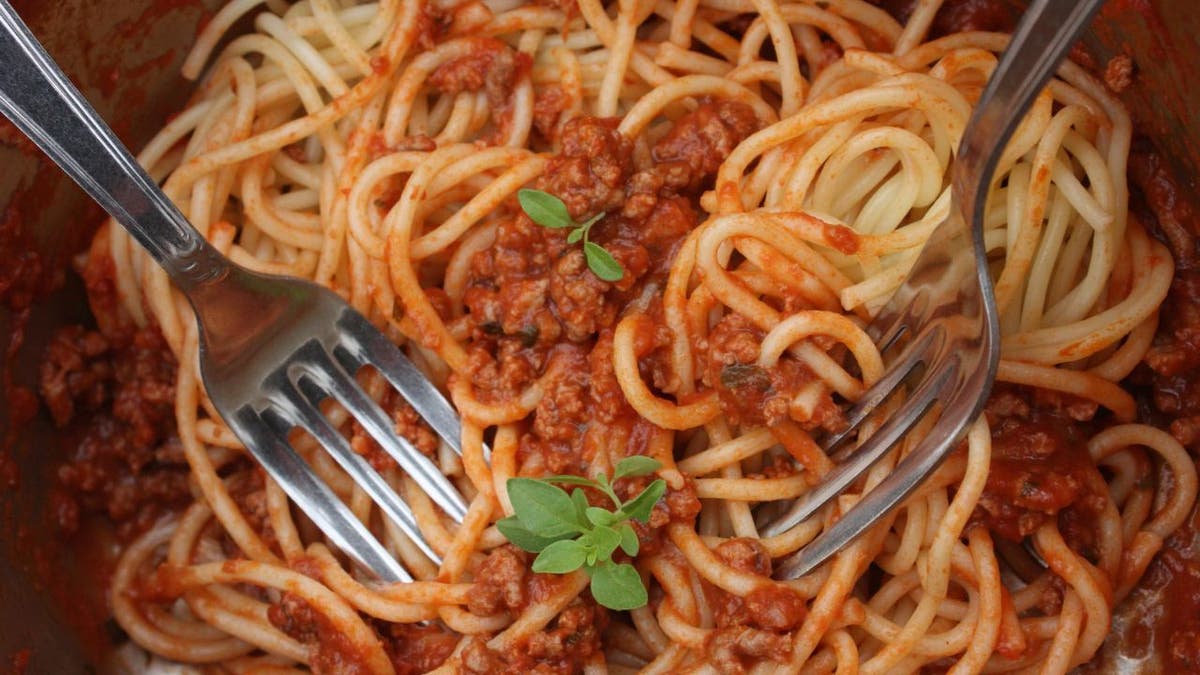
(520, 535)
(568, 479)
(544, 209)
(561, 557)
(601, 517)
(601, 262)
(634, 466)
(629, 540)
(618, 587)
(581, 504)
(639, 507)
(544, 509)
(605, 540)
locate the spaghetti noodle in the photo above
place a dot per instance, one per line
(768, 172)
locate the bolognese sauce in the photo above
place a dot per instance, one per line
(533, 316)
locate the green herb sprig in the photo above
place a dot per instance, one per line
(568, 533)
(549, 211)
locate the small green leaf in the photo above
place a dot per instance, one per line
(604, 486)
(575, 236)
(587, 224)
(544, 509)
(544, 209)
(618, 587)
(602, 263)
(521, 537)
(629, 540)
(567, 479)
(639, 507)
(634, 466)
(600, 517)
(560, 557)
(604, 540)
(581, 504)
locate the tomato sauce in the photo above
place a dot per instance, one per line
(538, 314)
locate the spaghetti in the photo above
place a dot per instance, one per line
(768, 173)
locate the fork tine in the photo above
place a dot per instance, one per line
(314, 497)
(884, 439)
(915, 354)
(367, 346)
(330, 378)
(897, 315)
(909, 473)
(297, 411)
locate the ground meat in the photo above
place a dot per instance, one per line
(565, 645)
(503, 582)
(735, 650)
(431, 27)
(75, 372)
(503, 376)
(745, 555)
(417, 648)
(408, 423)
(500, 582)
(490, 65)
(590, 171)
(1040, 469)
(957, 16)
(247, 486)
(769, 607)
(23, 276)
(571, 638)
(1118, 74)
(606, 401)
(1172, 585)
(549, 104)
(682, 504)
(331, 650)
(576, 293)
(115, 396)
(562, 416)
(1172, 371)
(751, 394)
(531, 291)
(699, 141)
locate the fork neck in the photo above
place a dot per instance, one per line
(1045, 34)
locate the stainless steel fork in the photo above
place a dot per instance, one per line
(271, 348)
(940, 326)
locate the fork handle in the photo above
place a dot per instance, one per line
(39, 99)
(1047, 31)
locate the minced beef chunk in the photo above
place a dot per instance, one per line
(115, 394)
(538, 312)
(1040, 469)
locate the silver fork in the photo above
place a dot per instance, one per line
(271, 348)
(940, 326)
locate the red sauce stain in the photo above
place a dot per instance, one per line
(842, 238)
(12, 137)
(1118, 11)
(20, 661)
(114, 75)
